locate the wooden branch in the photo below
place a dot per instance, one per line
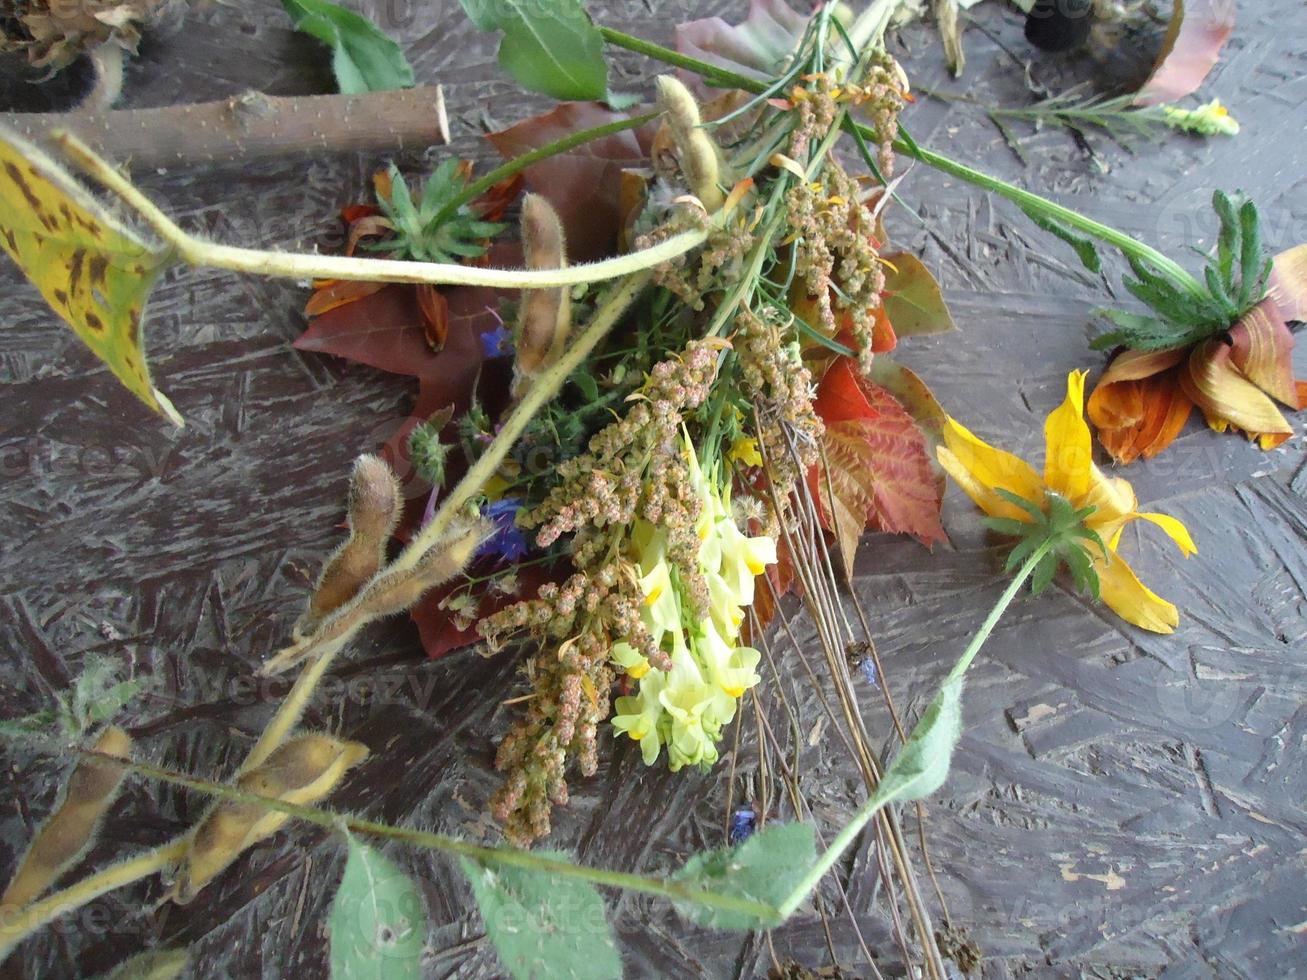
(251, 126)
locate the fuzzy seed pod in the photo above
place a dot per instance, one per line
(398, 591)
(373, 510)
(389, 593)
(699, 155)
(302, 771)
(545, 319)
(72, 827)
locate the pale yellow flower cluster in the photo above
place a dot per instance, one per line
(686, 707)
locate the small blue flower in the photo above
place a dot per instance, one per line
(497, 342)
(508, 542)
(744, 822)
(868, 668)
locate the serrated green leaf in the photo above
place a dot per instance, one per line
(364, 59)
(1042, 576)
(1085, 249)
(378, 923)
(1023, 550)
(37, 723)
(544, 926)
(549, 46)
(766, 868)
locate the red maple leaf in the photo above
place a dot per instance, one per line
(876, 462)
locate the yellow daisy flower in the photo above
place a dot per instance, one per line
(982, 471)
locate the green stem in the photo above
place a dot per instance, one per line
(1044, 207)
(520, 163)
(501, 856)
(1025, 199)
(883, 797)
(293, 265)
(712, 73)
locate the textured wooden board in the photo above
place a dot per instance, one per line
(1123, 805)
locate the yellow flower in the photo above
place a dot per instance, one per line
(982, 470)
(745, 450)
(639, 717)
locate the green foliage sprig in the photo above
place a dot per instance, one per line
(1235, 280)
(424, 230)
(1059, 529)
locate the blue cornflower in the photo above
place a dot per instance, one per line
(508, 542)
(497, 342)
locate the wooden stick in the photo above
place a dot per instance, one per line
(251, 126)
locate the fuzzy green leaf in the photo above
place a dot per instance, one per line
(364, 59)
(923, 763)
(766, 868)
(378, 923)
(544, 925)
(549, 46)
(157, 964)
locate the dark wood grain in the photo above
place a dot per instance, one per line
(1122, 804)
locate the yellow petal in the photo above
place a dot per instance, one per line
(1113, 500)
(1175, 530)
(1130, 599)
(1227, 398)
(979, 468)
(1068, 445)
(984, 497)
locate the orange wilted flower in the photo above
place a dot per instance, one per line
(1235, 377)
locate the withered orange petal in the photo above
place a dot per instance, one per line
(435, 315)
(1227, 398)
(336, 292)
(1288, 285)
(1167, 409)
(1262, 350)
(1114, 401)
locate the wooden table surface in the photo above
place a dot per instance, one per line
(1121, 805)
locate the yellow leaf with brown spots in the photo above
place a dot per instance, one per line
(92, 270)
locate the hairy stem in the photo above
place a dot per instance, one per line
(292, 265)
(502, 856)
(17, 924)
(881, 797)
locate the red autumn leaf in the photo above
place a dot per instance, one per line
(879, 467)
(1193, 42)
(756, 47)
(584, 184)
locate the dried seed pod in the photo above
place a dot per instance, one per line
(699, 155)
(389, 593)
(545, 318)
(72, 827)
(303, 770)
(373, 510)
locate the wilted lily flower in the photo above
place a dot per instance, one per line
(1009, 489)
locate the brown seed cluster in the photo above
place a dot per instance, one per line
(635, 470)
(781, 387)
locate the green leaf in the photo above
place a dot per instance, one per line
(1085, 249)
(766, 868)
(97, 696)
(913, 301)
(544, 925)
(922, 764)
(40, 723)
(378, 924)
(92, 270)
(364, 59)
(549, 46)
